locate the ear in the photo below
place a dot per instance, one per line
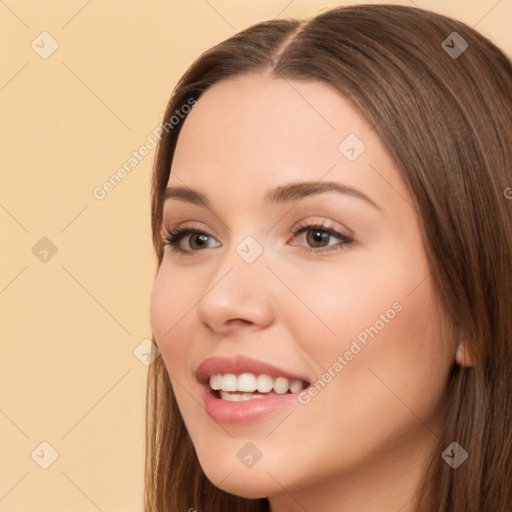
(464, 356)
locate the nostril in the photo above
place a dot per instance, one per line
(238, 321)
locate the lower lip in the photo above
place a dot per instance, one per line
(246, 411)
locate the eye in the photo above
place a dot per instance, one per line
(196, 239)
(318, 237)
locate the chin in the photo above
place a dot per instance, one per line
(249, 483)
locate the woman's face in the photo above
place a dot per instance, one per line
(351, 313)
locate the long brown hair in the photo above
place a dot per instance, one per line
(446, 118)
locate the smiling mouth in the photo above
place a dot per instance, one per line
(248, 386)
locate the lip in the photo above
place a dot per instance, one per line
(223, 411)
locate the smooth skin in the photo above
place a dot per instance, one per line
(360, 444)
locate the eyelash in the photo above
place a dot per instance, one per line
(172, 237)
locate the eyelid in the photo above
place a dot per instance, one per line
(166, 227)
(323, 223)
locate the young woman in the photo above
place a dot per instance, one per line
(331, 211)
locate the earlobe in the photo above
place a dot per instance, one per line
(464, 356)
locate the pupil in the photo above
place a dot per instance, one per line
(318, 236)
(201, 238)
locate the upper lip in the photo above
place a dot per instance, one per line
(237, 365)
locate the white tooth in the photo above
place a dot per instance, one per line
(247, 382)
(214, 382)
(295, 385)
(264, 383)
(231, 397)
(281, 385)
(229, 382)
(250, 383)
(238, 397)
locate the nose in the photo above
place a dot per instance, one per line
(239, 295)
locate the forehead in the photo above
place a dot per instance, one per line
(252, 113)
(251, 133)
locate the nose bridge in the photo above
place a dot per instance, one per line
(243, 264)
(244, 246)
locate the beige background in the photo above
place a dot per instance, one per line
(69, 324)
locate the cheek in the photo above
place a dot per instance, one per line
(172, 299)
(171, 311)
(338, 304)
(376, 327)
(161, 307)
(389, 359)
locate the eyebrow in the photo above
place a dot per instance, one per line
(278, 195)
